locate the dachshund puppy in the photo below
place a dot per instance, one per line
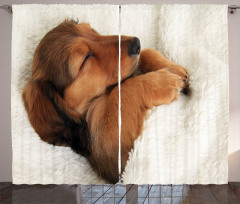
(72, 97)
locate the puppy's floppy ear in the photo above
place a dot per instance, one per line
(53, 120)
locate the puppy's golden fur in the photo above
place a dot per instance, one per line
(72, 97)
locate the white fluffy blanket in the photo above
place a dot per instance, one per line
(185, 142)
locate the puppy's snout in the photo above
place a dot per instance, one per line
(134, 47)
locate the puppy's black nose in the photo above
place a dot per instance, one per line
(134, 47)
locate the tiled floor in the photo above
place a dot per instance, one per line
(109, 194)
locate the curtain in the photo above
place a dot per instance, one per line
(181, 143)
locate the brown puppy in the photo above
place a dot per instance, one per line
(72, 97)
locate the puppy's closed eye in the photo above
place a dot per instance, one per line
(85, 59)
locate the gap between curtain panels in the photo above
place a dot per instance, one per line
(119, 93)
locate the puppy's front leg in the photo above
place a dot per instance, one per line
(152, 60)
(142, 92)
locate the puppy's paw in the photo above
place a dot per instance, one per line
(166, 87)
(182, 72)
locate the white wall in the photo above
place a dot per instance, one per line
(5, 78)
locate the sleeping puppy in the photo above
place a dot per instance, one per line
(72, 97)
